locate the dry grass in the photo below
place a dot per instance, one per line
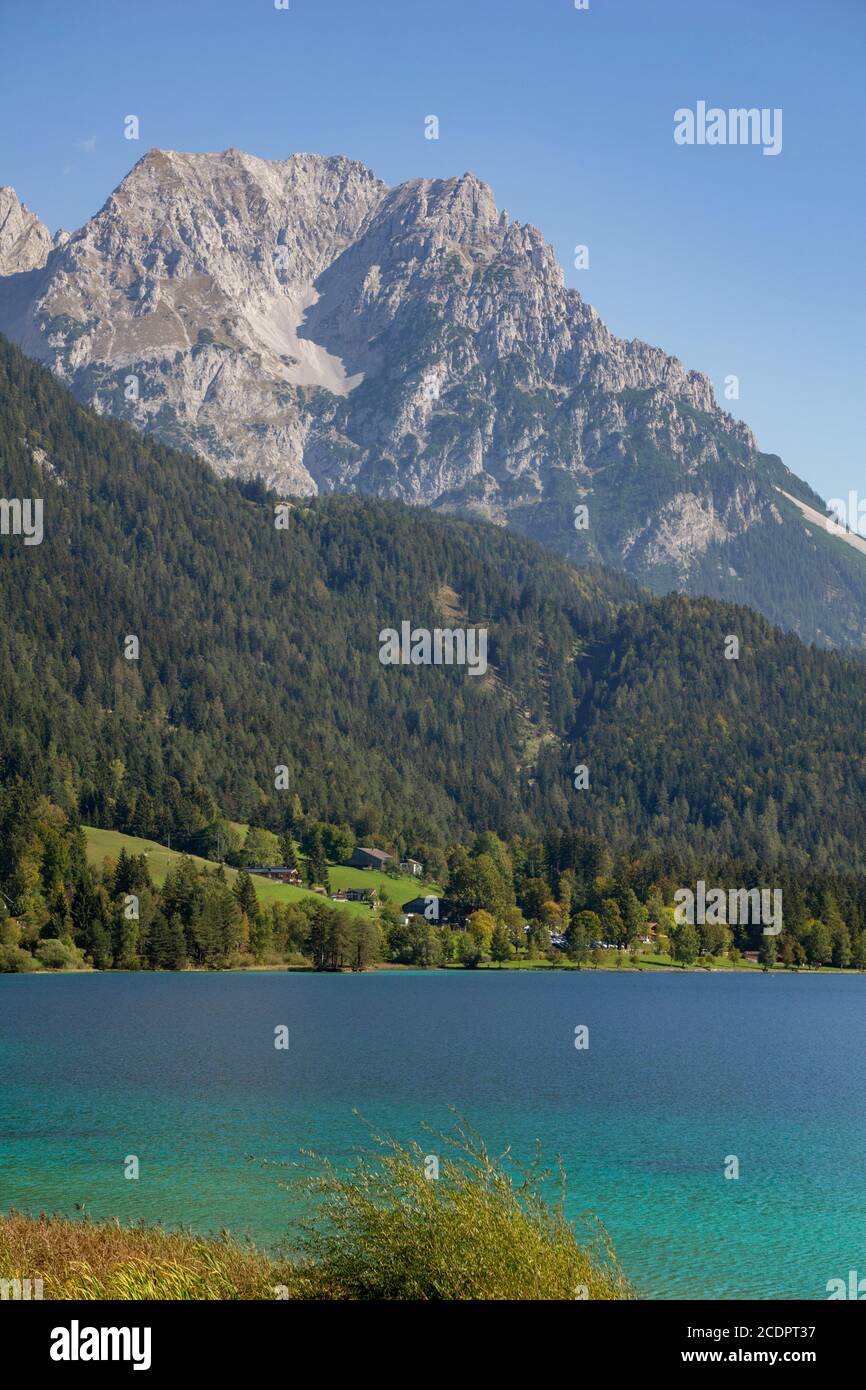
(90, 1260)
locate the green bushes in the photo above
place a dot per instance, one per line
(457, 1224)
(59, 955)
(15, 961)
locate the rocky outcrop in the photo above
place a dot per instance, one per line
(24, 242)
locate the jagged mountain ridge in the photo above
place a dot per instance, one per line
(300, 320)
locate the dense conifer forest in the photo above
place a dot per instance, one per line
(258, 650)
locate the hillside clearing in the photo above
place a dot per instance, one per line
(103, 844)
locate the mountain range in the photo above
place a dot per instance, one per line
(301, 322)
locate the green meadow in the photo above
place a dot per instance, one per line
(109, 843)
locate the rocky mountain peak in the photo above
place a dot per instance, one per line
(242, 220)
(24, 242)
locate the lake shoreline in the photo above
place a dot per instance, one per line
(512, 967)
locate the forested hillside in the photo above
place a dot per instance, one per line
(258, 648)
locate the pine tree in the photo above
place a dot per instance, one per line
(767, 952)
(245, 893)
(317, 864)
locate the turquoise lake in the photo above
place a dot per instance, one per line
(682, 1070)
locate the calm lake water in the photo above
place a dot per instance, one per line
(681, 1071)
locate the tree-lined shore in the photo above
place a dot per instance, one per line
(561, 901)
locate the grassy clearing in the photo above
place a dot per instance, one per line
(481, 1228)
(102, 843)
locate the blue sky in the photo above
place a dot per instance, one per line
(736, 262)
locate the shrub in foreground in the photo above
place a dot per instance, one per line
(482, 1229)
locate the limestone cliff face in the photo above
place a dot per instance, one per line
(177, 305)
(301, 321)
(24, 242)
